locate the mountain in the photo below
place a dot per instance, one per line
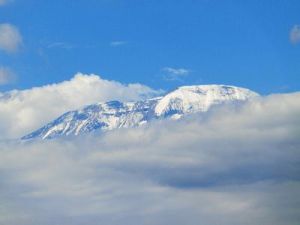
(114, 114)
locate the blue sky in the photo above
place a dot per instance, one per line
(162, 44)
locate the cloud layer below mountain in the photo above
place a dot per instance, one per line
(235, 165)
(23, 111)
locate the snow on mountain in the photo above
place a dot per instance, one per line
(114, 114)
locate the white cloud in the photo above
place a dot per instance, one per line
(236, 165)
(10, 38)
(117, 43)
(4, 2)
(295, 34)
(26, 110)
(6, 75)
(173, 74)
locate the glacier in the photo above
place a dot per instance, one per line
(111, 115)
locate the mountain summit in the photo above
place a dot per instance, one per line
(114, 114)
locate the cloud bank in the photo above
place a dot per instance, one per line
(23, 111)
(235, 165)
(10, 38)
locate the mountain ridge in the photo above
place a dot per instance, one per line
(116, 114)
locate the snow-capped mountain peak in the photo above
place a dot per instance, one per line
(114, 114)
(190, 99)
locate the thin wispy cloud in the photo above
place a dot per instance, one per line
(10, 38)
(295, 34)
(6, 75)
(175, 74)
(117, 43)
(62, 45)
